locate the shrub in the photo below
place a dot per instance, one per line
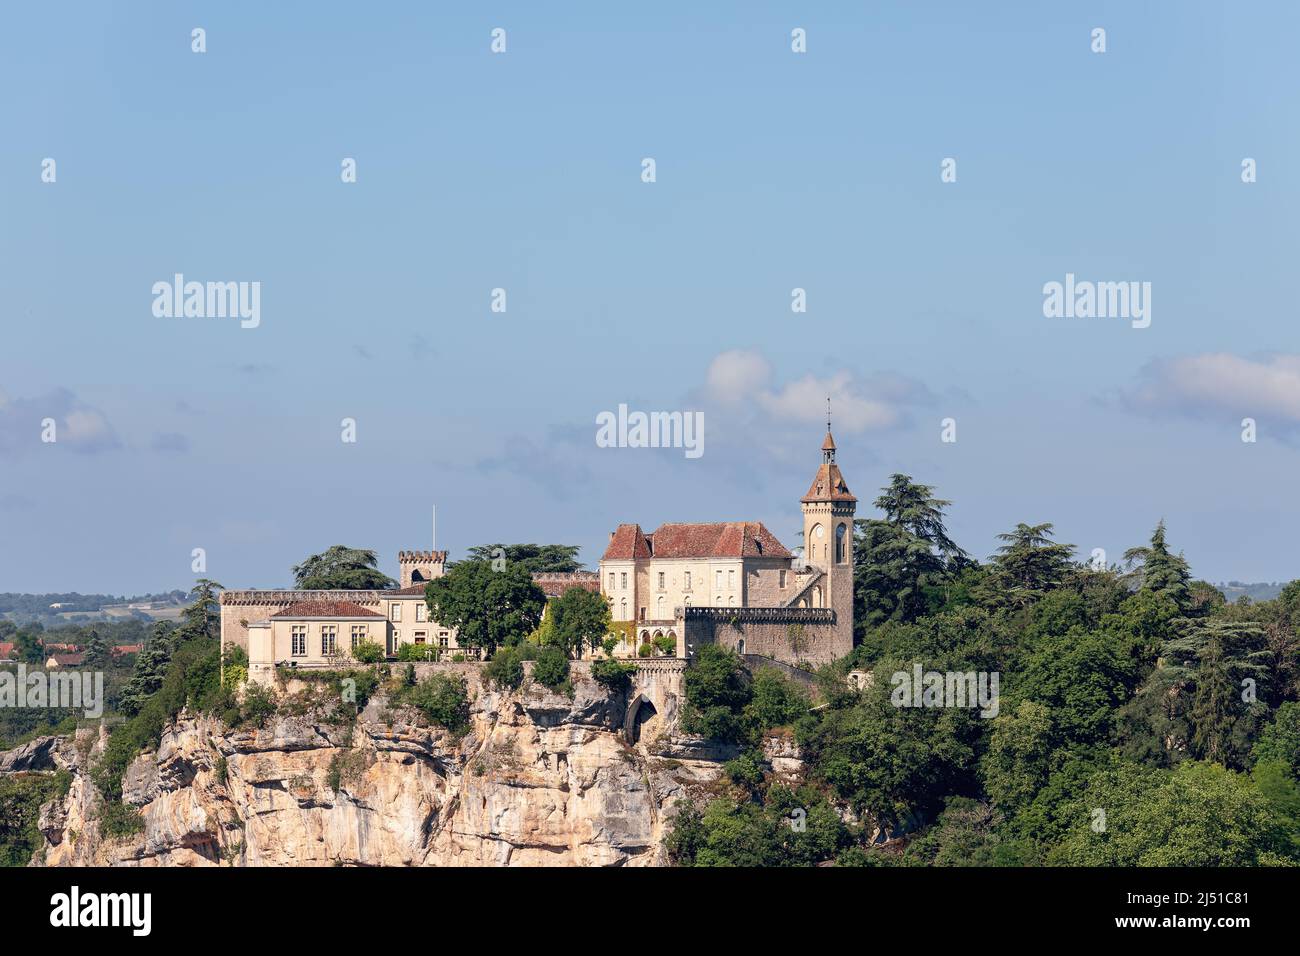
(506, 669)
(258, 706)
(665, 645)
(552, 668)
(415, 652)
(645, 650)
(120, 820)
(613, 674)
(746, 770)
(442, 699)
(368, 652)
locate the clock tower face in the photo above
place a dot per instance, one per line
(819, 532)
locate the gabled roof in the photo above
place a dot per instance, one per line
(725, 539)
(342, 609)
(627, 542)
(66, 660)
(6, 650)
(728, 539)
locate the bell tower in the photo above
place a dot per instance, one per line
(828, 510)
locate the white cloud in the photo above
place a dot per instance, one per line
(858, 404)
(736, 376)
(1219, 383)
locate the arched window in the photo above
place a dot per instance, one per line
(817, 596)
(840, 552)
(622, 610)
(659, 608)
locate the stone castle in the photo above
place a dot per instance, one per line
(731, 583)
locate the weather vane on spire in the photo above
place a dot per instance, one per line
(828, 413)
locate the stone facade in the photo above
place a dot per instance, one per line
(681, 581)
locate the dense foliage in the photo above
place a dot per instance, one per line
(1141, 719)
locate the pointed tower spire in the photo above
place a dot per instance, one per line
(828, 446)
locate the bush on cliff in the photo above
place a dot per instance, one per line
(506, 669)
(552, 670)
(613, 674)
(441, 698)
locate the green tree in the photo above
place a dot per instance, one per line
(97, 652)
(717, 690)
(1220, 658)
(1280, 740)
(488, 608)
(898, 557)
(1162, 572)
(29, 646)
(344, 569)
(150, 669)
(1030, 563)
(534, 558)
(1198, 815)
(580, 618)
(202, 617)
(1019, 758)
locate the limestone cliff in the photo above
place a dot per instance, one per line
(539, 779)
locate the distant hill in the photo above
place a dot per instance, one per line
(71, 607)
(1262, 591)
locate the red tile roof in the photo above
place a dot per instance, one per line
(626, 543)
(121, 649)
(60, 648)
(6, 650)
(731, 539)
(414, 589)
(66, 660)
(828, 485)
(325, 609)
(555, 583)
(728, 539)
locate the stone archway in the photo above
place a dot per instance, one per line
(639, 710)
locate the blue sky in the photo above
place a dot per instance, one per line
(775, 170)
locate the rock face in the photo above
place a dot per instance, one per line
(539, 779)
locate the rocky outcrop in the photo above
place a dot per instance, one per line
(538, 778)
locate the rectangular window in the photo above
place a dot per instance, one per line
(731, 579)
(783, 579)
(611, 580)
(623, 579)
(328, 639)
(395, 611)
(688, 580)
(717, 577)
(661, 580)
(358, 635)
(421, 613)
(421, 637)
(299, 648)
(443, 638)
